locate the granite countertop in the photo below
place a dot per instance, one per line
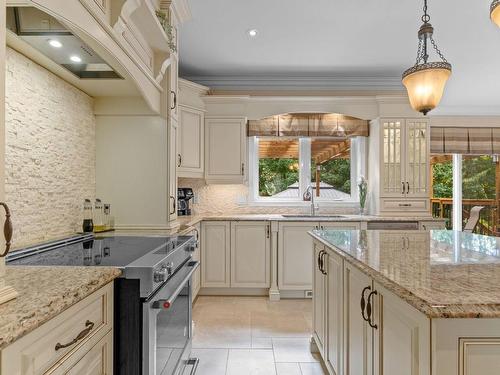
(187, 221)
(443, 274)
(45, 292)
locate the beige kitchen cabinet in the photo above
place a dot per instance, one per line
(225, 150)
(250, 254)
(173, 87)
(334, 313)
(191, 141)
(388, 336)
(401, 336)
(236, 254)
(172, 170)
(44, 350)
(196, 278)
(319, 302)
(400, 151)
(358, 335)
(215, 254)
(294, 252)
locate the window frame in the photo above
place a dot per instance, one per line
(358, 157)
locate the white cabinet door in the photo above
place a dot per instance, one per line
(215, 254)
(225, 150)
(402, 337)
(173, 86)
(250, 254)
(417, 146)
(191, 143)
(172, 171)
(392, 155)
(334, 313)
(196, 280)
(295, 255)
(319, 297)
(357, 332)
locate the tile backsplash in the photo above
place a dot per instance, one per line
(229, 199)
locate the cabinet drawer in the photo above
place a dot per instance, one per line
(402, 205)
(70, 333)
(96, 361)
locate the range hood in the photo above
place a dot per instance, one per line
(48, 36)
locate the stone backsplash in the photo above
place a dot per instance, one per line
(50, 151)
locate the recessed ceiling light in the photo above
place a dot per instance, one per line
(75, 58)
(253, 33)
(55, 43)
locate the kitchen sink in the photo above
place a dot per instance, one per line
(319, 217)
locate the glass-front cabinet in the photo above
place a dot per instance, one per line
(405, 158)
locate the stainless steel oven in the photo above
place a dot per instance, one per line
(167, 328)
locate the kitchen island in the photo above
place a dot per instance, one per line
(388, 302)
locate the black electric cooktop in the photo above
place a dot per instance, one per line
(117, 251)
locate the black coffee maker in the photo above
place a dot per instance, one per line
(184, 195)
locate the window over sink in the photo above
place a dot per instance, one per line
(282, 168)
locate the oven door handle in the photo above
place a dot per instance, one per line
(166, 303)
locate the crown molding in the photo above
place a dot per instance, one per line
(387, 83)
(193, 85)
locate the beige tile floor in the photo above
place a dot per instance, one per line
(253, 336)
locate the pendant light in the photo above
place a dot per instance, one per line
(425, 81)
(495, 12)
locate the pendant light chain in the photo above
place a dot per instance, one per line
(425, 18)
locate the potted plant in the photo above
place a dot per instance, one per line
(168, 28)
(363, 192)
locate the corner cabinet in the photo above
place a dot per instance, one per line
(191, 142)
(403, 162)
(225, 150)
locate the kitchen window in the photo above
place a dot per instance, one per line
(282, 168)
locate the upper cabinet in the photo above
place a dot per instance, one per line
(191, 142)
(225, 150)
(400, 152)
(405, 158)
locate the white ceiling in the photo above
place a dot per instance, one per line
(341, 44)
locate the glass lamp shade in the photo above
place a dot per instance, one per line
(425, 84)
(495, 12)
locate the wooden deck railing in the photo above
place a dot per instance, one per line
(488, 219)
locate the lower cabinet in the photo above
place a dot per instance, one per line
(216, 252)
(196, 279)
(236, 254)
(79, 341)
(294, 254)
(250, 254)
(362, 329)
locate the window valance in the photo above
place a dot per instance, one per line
(463, 140)
(308, 125)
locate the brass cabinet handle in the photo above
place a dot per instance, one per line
(403, 185)
(7, 229)
(407, 188)
(323, 271)
(242, 169)
(179, 158)
(405, 205)
(369, 309)
(89, 326)
(268, 231)
(363, 303)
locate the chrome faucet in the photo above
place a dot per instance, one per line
(309, 196)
